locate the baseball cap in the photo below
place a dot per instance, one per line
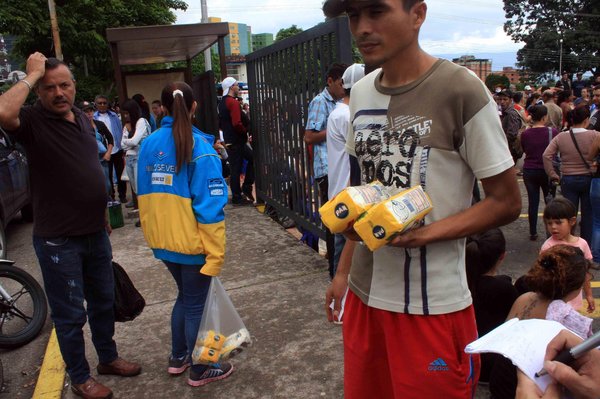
(527, 87)
(353, 74)
(226, 84)
(85, 105)
(333, 8)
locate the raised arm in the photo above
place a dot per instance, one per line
(12, 101)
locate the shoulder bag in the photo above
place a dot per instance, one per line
(587, 165)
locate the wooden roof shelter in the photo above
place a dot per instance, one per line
(155, 44)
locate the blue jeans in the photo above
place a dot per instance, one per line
(104, 165)
(192, 289)
(131, 164)
(534, 180)
(75, 269)
(577, 190)
(595, 203)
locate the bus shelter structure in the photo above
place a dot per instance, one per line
(160, 45)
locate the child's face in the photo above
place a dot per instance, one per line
(560, 228)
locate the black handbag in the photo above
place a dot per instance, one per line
(129, 303)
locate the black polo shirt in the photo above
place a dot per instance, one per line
(67, 182)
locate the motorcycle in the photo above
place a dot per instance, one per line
(23, 306)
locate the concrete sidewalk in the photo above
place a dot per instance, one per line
(278, 287)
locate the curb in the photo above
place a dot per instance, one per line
(52, 374)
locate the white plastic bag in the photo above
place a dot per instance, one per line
(222, 332)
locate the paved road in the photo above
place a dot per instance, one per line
(271, 318)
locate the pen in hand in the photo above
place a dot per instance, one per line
(568, 356)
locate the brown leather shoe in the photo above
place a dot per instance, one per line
(121, 367)
(91, 389)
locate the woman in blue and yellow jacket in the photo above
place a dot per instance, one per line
(181, 198)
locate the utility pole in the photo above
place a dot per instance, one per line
(207, 55)
(55, 34)
(560, 70)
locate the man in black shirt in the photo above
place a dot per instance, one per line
(69, 206)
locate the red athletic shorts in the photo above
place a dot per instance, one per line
(402, 356)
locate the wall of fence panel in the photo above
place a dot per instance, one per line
(283, 78)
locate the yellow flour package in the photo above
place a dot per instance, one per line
(340, 212)
(392, 216)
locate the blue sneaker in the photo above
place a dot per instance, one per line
(212, 373)
(178, 365)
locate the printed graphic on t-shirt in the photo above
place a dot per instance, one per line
(386, 148)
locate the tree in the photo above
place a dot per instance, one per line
(492, 81)
(82, 25)
(541, 24)
(287, 32)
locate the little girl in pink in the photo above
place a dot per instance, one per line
(560, 216)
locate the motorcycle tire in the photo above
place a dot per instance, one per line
(21, 319)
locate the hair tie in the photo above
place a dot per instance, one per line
(175, 92)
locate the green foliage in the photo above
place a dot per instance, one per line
(82, 25)
(287, 32)
(88, 87)
(198, 65)
(356, 55)
(492, 81)
(540, 24)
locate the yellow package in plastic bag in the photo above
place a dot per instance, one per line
(340, 212)
(399, 213)
(213, 340)
(205, 355)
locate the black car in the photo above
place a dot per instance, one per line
(15, 193)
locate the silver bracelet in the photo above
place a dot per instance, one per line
(26, 82)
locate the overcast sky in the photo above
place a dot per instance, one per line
(452, 26)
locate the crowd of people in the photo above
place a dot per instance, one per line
(412, 306)
(558, 131)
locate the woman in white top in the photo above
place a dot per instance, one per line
(135, 130)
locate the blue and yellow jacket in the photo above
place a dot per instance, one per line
(182, 213)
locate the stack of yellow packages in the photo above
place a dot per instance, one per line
(213, 347)
(395, 215)
(340, 212)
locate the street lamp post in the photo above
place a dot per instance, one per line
(560, 59)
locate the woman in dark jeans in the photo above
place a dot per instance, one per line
(534, 141)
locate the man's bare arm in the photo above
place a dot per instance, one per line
(313, 137)
(12, 101)
(502, 205)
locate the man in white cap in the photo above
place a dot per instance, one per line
(338, 158)
(408, 312)
(235, 135)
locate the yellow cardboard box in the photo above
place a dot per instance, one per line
(340, 212)
(399, 213)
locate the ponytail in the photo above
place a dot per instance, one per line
(178, 98)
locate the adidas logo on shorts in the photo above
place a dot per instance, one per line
(438, 365)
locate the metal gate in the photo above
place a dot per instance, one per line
(205, 94)
(283, 78)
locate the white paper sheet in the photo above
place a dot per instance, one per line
(524, 342)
